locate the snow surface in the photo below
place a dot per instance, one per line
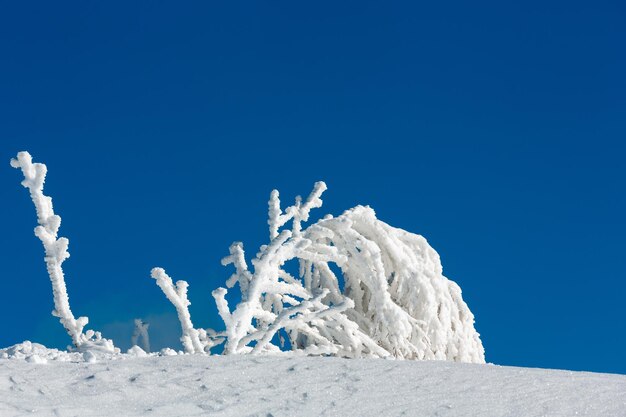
(249, 385)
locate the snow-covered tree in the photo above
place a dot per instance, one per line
(55, 253)
(395, 301)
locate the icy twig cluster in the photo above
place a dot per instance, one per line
(395, 301)
(362, 289)
(312, 319)
(193, 340)
(55, 253)
(402, 300)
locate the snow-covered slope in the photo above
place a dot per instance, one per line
(194, 385)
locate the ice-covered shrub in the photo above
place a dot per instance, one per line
(55, 253)
(402, 300)
(313, 317)
(363, 289)
(395, 301)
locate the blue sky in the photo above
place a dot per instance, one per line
(494, 129)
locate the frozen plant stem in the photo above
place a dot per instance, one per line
(55, 253)
(141, 331)
(177, 294)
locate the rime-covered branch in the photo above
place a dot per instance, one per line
(55, 253)
(298, 212)
(395, 300)
(362, 289)
(276, 303)
(141, 332)
(193, 340)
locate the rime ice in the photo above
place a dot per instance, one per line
(395, 303)
(56, 252)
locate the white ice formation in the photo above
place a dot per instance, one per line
(141, 333)
(394, 302)
(55, 253)
(390, 298)
(193, 340)
(362, 289)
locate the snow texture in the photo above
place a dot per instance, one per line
(55, 253)
(245, 385)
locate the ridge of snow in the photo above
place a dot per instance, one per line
(250, 385)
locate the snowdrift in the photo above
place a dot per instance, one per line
(251, 385)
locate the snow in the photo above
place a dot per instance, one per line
(250, 385)
(396, 303)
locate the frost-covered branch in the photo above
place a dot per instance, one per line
(276, 303)
(141, 332)
(55, 253)
(298, 212)
(362, 289)
(193, 340)
(395, 300)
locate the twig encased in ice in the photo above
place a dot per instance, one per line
(55, 253)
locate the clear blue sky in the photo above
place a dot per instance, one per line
(496, 130)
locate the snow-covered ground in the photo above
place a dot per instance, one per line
(245, 385)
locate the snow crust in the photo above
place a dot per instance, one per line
(247, 385)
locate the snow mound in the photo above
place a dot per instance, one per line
(37, 353)
(249, 385)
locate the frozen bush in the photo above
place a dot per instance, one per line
(395, 302)
(362, 289)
